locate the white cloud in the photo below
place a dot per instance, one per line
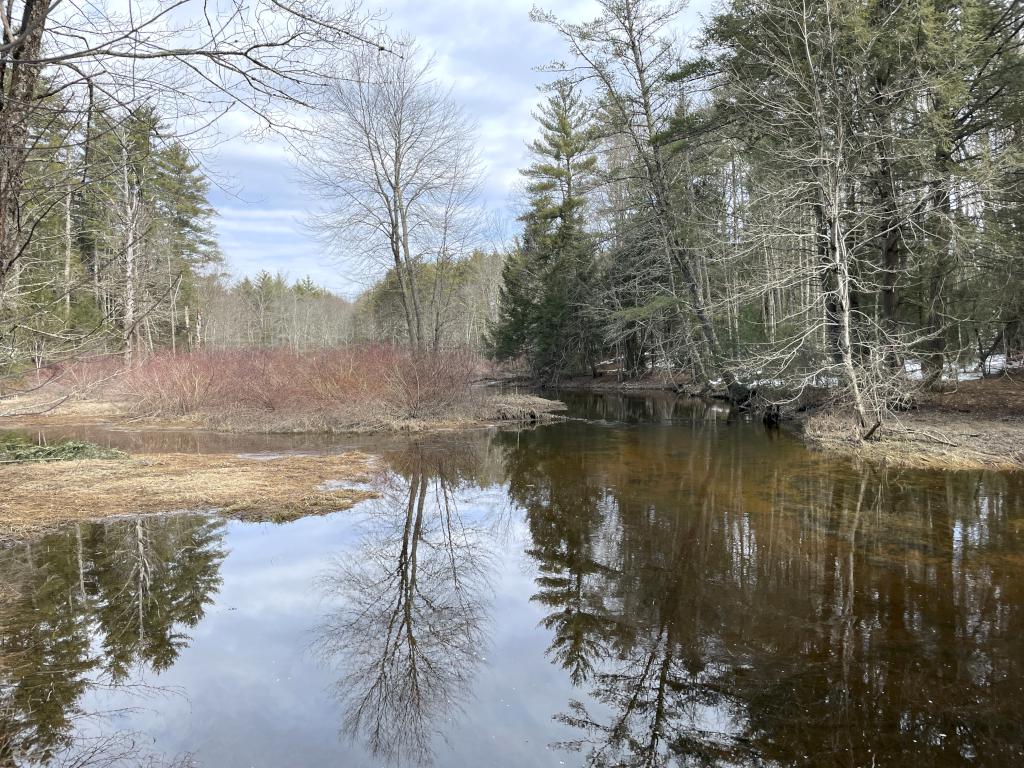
(260, 214)
(486, 51)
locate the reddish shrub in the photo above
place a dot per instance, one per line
(83, 373)
(360, 382)
(420, 385)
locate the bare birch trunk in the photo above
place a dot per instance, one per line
(67, 252)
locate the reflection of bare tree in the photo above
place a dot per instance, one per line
(409, 632)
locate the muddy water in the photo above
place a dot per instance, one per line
(660, 583)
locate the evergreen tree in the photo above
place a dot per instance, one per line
(546, 305)
(121, 232)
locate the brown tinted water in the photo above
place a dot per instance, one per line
(661, 583)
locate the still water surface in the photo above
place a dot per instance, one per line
(659, 583)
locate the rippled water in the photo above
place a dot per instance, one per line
(659, 584)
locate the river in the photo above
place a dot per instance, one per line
(655, 582)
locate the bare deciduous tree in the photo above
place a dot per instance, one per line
(393, 157)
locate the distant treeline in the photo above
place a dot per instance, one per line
(459, 302)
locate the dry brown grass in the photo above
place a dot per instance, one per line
(969, 425)
(44, 405)
(516, 407)
(484, 407)
(925, 440)
(35, 497)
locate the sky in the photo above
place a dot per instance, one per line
(487, 51)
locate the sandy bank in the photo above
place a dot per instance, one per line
(974, 425)
(926, 440)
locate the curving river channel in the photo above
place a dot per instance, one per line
(657, 583)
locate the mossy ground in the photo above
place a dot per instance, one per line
(17, 449)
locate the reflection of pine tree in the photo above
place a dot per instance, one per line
(130, 585)
(154, 577)
(45, 655)
(580, 623)
(564, 511)
(665, 711)
(828, 626)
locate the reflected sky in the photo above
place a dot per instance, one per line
(662, 584)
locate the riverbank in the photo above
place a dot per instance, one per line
(653, 381)
(41, 493)
(38, 496)
(980, 425)
(973, 425)
(924, 440)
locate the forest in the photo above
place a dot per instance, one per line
(625, 383)
(827, 195)
(808, 197)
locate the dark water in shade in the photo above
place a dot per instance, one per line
(661, 584)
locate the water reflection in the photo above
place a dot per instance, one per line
(414, 596)
(743, 611)
(89, 607)
(652, 407)
(676, 587)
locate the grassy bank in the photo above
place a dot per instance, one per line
(972, 425)
(37, 496)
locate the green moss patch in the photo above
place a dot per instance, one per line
(15, 449)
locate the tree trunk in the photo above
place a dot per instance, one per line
(128, 319)
(19, 74)
(396, 252)
(411, 276)
(67, 252)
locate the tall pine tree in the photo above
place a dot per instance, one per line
(546, 304)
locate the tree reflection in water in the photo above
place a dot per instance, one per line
(414, 596)
(730, 610)
(710, 593)
(84, 607)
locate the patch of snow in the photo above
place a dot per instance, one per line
(344, 485)
(995, 364)
(969, 372)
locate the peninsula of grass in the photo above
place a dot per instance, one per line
(38, 496)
